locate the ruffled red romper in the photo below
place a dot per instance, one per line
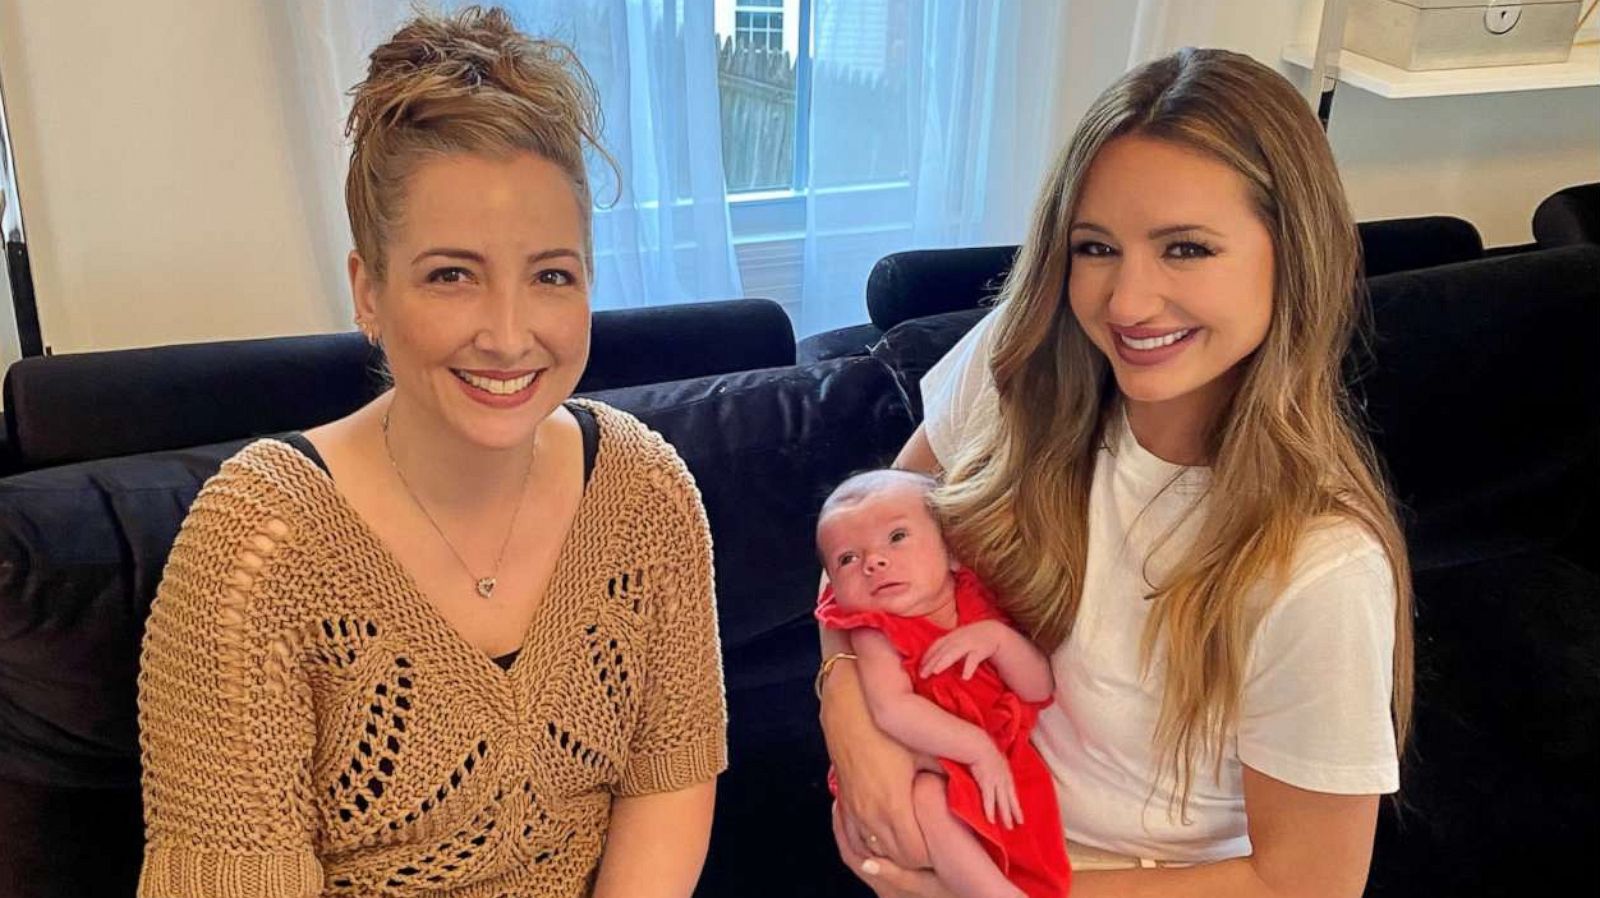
(1034, 855)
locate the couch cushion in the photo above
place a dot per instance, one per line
(69, 843)
(775, 788)
(1568, 216)
(82, 548)
(67, 408)
(1484, 400)
(837, 344)
(1407, 244)
(766, 447)
(911, 348)
(922, 282)
(1499, 778)
(629, 347)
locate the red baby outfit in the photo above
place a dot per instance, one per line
(1033, 855)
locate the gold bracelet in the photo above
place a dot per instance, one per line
(827, 667)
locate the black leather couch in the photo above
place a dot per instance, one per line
(1484, 404)
(1570, 215)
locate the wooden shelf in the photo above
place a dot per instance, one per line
(1581, 70)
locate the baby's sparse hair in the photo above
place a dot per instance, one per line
(869, 483)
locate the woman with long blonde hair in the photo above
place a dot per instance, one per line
(1149, 454)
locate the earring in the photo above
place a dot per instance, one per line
(368, 331)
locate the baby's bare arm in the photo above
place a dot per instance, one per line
(918, 723)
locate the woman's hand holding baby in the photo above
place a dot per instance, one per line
(874, 773)
(886, 878)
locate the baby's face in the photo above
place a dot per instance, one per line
(886, 553)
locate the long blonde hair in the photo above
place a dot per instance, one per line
(1284, 451)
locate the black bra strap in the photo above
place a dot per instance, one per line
(299, 442)
(591, 437)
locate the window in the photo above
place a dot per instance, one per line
(783, 62)
(758, 69)
(758, 27)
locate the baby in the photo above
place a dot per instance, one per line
(946, 675)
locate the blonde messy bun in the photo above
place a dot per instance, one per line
(466, 83)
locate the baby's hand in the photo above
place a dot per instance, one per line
(976, 643)
(998, 788)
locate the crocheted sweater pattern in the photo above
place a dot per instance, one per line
(310, 726)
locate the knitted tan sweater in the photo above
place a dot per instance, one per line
(311, 726)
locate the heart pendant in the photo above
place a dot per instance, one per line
(486, 587)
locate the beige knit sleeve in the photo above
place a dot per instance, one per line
(682, 735)
(225, 716)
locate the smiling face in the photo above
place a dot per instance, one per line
(885, 552)
(1172, 271)
(483, 310)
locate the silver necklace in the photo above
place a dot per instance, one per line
(483, 585)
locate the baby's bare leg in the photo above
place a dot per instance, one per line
(958, 858)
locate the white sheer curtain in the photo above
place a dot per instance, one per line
(654, 63)
(665, 238)
(939, 141)
(322, 46)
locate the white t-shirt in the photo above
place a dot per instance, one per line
(1315, 708)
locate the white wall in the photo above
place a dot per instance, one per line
(1488, 159)
(154, 149)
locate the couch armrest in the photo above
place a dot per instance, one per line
(1568, 216)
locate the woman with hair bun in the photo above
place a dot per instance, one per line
(1148, 453)
(463, 641)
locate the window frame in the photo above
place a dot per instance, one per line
(775, 215)
(764, 31)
